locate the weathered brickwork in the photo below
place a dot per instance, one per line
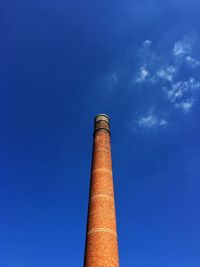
(101, 242)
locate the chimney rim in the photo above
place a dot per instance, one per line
(103, 115)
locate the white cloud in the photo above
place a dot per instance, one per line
(142, 75)
(182, 47)
(150, 120)
(157, 71)
(181, 93)
(185, 106)
(162, 122)
(192, 62)
(147, 43)
(167, 73)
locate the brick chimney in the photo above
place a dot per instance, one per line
(101, 249)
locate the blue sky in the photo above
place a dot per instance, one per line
(62, 62)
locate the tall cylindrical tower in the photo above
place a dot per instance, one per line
(101, 248)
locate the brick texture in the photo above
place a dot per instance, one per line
(101, 249)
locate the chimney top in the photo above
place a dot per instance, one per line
(102, 117)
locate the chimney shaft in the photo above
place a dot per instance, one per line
(101, 248)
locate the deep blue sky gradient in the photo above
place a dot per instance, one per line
(56, 57)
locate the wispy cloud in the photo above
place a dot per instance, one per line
(183, 50)
(170, 71)
(185, 105)
(181, 93)
(192, 62)
(179, 89)
(182, 47)
(150, 120)
(167, 73)
(143, 74)
(147, 43)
